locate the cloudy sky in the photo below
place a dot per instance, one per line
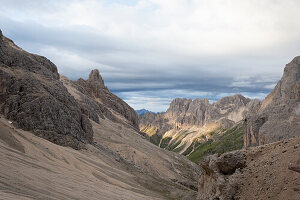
(151, 51)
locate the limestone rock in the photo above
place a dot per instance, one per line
(32, 96)
(97, 100)
(227, 163)
(278, 117)
(220, 177)
(199, 112)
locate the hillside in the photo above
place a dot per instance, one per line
(63, 139)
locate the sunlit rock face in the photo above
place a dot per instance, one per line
(189, 123)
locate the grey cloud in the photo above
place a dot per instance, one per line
(149, 67)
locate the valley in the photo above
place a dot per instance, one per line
(75, 139)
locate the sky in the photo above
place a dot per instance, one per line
(152, 51)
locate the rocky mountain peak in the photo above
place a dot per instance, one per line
(96, 91)
(235, 99)
(277, 118)
(95, 77)
(29, 83)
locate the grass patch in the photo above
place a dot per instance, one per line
(173, 145)
(155, 139)
(230, 140)
(212, 133)
(165, 142)
(195, 143)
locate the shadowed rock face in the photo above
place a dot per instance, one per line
(278, 116)
(100, 91)
(97, 101)
(32, 96)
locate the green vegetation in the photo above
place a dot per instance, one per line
(149, 130)
(230, 140)
(155, 139)
(173, 144)
(203, 136)
(194, 144)
(212, 133)
(220, 141)
(165, 142)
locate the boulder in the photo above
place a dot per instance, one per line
(220, 178)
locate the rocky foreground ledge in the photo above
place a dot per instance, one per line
(264, 172)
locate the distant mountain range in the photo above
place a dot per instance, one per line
(143, 111)
(197, 128)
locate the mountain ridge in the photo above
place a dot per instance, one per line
(43, 114)
(188, 123)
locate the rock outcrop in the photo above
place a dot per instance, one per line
(265, 172)
(221, 176)
(199, 112)
(97, 101)
(29, 84)
(278, 116)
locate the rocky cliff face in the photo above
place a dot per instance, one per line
(278, 116)
(29, 84)
(187, 124)
(97, 101)
(198, 112)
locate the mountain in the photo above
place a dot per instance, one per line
(64, 139)
(269, 166)
(142, 112)
(278, 116)
(197, 128)
(29, 84)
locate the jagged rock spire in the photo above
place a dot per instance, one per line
(95, 78)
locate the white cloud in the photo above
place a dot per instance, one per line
(166, 43)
